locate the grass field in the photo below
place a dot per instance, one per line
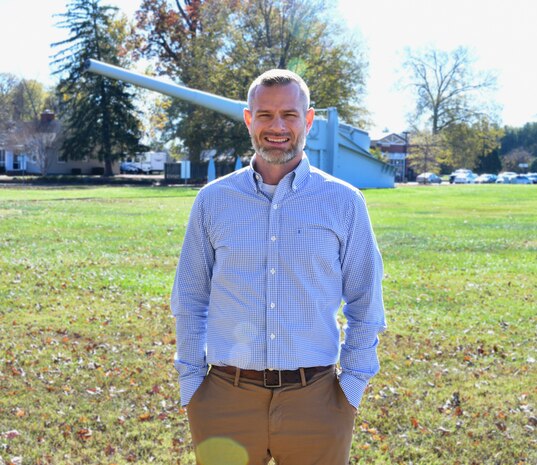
(87, 340)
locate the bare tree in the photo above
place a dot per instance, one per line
(23, 123)
(447, 87)
(38, 138)
(518, 160)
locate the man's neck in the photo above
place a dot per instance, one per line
(273, 173)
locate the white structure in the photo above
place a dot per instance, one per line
(152, 162)
(31, 149)
(15, 162)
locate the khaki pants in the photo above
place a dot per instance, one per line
(248, 424)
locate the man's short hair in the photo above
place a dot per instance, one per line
(279, 77)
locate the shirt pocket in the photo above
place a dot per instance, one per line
(315, 249)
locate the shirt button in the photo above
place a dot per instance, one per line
(272, 336)
(275, 206)
(273, 238)
(272, 305)
(272, 271)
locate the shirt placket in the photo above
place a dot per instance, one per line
(272, 336)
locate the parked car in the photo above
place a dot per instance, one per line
(428, 178)
(533, 177)
(486, 178)
(143, 167)
(520, 179)
(505, 177)
(128, 167)
(465, 178)
(455, 173)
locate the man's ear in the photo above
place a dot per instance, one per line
(247, 115)
(310, 115)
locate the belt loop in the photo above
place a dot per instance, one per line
(303, 377)
(237, 376)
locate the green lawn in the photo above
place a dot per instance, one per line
(87, 340)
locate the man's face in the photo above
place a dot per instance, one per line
(277, 123)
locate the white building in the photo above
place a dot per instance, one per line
(34, 149)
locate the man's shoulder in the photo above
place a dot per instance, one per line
(333, 184)
(234, 180)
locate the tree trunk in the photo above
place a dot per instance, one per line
(108, 167)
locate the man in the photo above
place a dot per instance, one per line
(269, 253)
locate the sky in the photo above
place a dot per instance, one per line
(500, 33)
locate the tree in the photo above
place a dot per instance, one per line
(466, 143)
(533, 167)
(490, 162)
(426, 151)
(524, 137)
(447, 89)
(515, 158)
(8, 84)
(99, 116)
(220, 46)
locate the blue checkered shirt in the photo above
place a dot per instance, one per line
(260, 280)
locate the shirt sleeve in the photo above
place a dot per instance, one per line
(190, 302)
(362, 271)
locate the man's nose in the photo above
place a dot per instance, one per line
(278, 123)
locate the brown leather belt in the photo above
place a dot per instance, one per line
(274, 378)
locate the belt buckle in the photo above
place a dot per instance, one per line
(269, 384)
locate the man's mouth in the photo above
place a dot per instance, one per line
(277, 140)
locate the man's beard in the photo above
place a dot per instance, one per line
(277, 156)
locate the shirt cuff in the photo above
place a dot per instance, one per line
(353, 388)
(188, 387)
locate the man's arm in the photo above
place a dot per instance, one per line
(362, 271)
(190, 303)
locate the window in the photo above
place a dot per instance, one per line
(2, 159)
(16, 161)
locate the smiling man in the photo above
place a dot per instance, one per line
(278, 119)
(269, 254)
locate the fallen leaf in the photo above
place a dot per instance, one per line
(145, 417)
(84, 434)
(501, 425)
(10, 434)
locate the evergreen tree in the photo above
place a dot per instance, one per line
(490, 162)
(98, 114)
(524, 137)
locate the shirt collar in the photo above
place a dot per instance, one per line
(296, 178)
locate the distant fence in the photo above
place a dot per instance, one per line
(198, 171)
